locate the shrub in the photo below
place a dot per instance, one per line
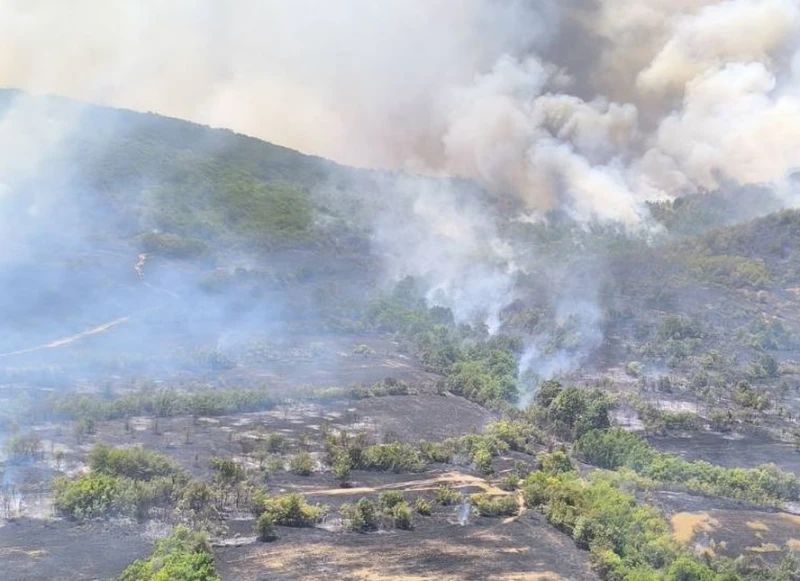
(446, 496)
(341, 467)
(288, 510)
(265, 528)
(482, 459)
(437, 452)
(302, 464)
(395, 457)
(361, 516)
(401, 515)
(389, 499)
(494, 506)
(616, 448)
(747, 396)
(88, 496)
(227, 471)
(135, 463)
(23, 446)
(182, 556)
(422, 506)
(555, 462)
(688, 569)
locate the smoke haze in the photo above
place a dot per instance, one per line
(582, 109)
(587, 106)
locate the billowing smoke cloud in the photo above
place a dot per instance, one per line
(587, 108)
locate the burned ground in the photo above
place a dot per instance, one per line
(526, 549)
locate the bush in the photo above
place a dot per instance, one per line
(341, 467)
(23, 446)
(302, 464)
(446, 496)
(228, 472)
(688, 569)
(265, 528)
(422, 506)
(288, 510)
(395, 457)
(88, 496)
(437, 452)
(747, 396)
(494, 506)
(401, 515)
(135, 463)
(361, 516)
(389, 499)
(555, 462)
(482, 459)
(182, 556)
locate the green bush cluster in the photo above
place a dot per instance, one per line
(615, 448)
(387, 387)
(163, 403)
(494, 506)
(288, 510)
(628, 540)
(184, 555)
(361, 516)
(123, 481)
(395, 457)
(446, 495)
(302, 464)
(478, 368)
(570, 412)
(136, 463)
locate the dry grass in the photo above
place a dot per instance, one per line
(685, 525)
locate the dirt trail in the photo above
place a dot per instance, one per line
(71, 339)
(454, 479)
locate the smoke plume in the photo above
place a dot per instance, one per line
(584, 108)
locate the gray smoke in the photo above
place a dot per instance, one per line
(587, 108)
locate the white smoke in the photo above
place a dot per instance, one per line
(472, 87)
(585, 107)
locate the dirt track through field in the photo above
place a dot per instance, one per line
(454, 479)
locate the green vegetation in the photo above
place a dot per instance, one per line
(481, 369)
(182, 556)
(494, 506)
(167, 402)
(265, 528)
(445, 495)
(302, 464)
(360, 517)
(401, 516)
(627, 540)
(20, 447)
(288, 510)
(614, 449)
(134, 463)
(123, 481)
(388, 500)
(422, 506)
(570, 412)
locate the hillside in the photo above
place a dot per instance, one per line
(276, 358)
